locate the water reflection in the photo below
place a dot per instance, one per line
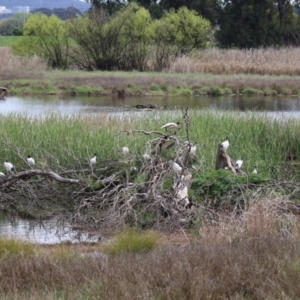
(50, 231)
(71, 105)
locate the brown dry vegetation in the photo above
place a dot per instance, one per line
(271, 71)
(251, 256)
(264, 61)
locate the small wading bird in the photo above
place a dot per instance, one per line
(225, 144)
(146, 156)
(176, 167)
(170, 125)
(124, 150)
(193, 148)
(239, 163)
(93, 160)
(30, 161)
(9, 167)
(255, 170)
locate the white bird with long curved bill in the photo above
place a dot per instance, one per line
(93, 160)
(9, 167)
(239, 163)
(124, 150)
(255, 170)
(146, 156)
(30, 161)
(190, 146)
(170, 125)
(225, 144)
(176, 167)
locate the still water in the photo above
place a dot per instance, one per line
(55, 231)
(71, 105)
(52, 231)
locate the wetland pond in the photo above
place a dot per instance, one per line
(56, 231)
(289, 106)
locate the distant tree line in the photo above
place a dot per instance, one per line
(149, 35)
(239, 23)
(14, 24)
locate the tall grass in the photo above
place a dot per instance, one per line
(272, 61)
(10, 247)
(13, 63)
(59, 141)
(129, 240)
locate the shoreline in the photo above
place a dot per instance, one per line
(132, 84)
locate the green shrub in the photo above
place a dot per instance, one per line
(154, 87)
(130, 240)
(251, 91)
(202, 91)
(10, 247)
(135, 88)
(227, 91)
(217, 91)
(269, 92)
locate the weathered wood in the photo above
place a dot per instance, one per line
(3, 91)
(5, 181)
(223, 160)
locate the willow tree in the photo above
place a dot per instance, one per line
(106, 42)
(46, 37)
(179, 32)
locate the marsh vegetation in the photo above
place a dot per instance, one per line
(211, 72)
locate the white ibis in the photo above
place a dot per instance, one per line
(9, 167)
(176, 167)
(146, 156)
(192, 147)
(239, 163)
(170, 125)
(225, 144)
(30, 161)
(124, 150)
(93, 160)
(255, 170)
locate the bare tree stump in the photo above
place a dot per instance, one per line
(223, 160)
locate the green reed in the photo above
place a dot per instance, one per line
(69, 141)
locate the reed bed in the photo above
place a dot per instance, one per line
(251, 256)
(12, 63)
(59, 141)
(271, 61)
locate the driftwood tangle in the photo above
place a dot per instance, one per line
(223, 160)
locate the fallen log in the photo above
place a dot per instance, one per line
(8, 180)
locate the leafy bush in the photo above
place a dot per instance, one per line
(218, 184)
(9, 247)
(251, 91)
(130, 240)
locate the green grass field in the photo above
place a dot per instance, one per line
(6, 41)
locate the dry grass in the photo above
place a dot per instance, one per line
(272, 61)
(251, 256)
(11, 65)
(271, 71)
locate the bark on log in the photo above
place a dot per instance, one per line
(223, 160)
(5, 181)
